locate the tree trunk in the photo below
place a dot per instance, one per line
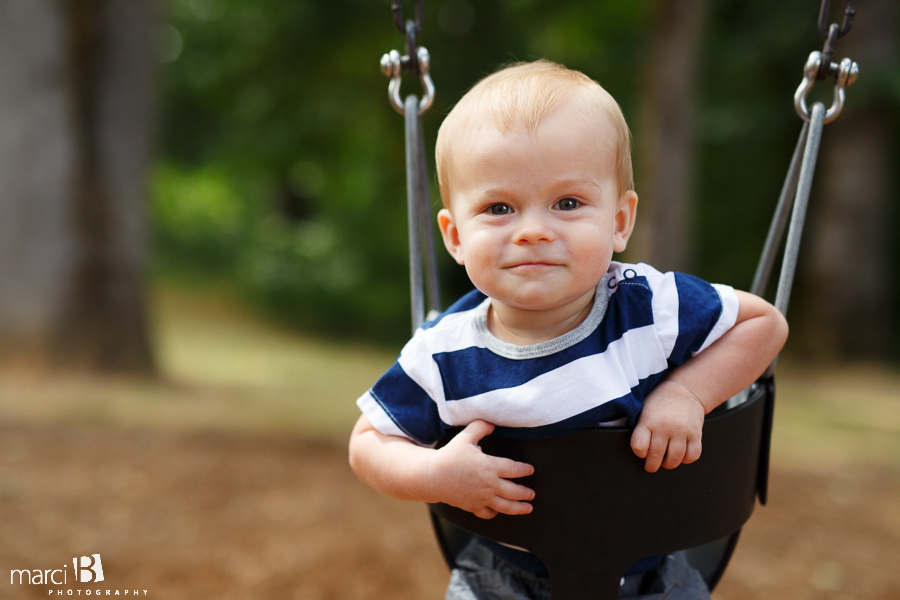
(36, 168)
(847, 308)
(665, 138)
(92, 62)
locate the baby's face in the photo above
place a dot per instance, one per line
(535, 219)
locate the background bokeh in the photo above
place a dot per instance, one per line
(281, 162)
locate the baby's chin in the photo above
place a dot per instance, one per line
(544, 301)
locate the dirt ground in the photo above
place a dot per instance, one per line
(261, 516)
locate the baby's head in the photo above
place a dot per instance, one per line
(522, 96)
(534, 165)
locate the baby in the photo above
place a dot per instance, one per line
(534, 166)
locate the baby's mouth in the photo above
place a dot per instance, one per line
(533, 265)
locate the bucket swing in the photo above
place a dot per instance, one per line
(586, 532)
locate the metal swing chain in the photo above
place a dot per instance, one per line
(832, 33)
(794, 197)
(419, 215)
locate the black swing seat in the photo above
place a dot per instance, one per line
(597, 512)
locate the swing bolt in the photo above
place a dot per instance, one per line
(845, 74)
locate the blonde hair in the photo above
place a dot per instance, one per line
(523, 95)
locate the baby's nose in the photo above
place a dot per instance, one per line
(532, 229)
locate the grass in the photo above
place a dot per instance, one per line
(224, 368)
(838, 414)
(221, 367)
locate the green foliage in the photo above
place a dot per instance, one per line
(199, 220)
(206, 227)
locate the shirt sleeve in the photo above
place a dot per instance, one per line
(689, 314)
(403, 402)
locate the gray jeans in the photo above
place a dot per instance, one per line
(482, 575)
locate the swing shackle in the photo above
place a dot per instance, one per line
(392, 66)
(416, 60)
(845, 74)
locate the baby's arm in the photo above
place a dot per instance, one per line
(669, 428)
(459, 474)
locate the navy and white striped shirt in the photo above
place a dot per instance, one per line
(454, 371)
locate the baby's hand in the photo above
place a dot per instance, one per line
(463, 476)
(669, 429)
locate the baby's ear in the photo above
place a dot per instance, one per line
(450, 233)
(626, 213)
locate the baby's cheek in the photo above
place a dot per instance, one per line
(595, 267)
(480, 274)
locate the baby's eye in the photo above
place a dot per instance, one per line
(567, 204)
(499, 209)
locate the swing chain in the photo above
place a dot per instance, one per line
(409, 29)
(397, 9)
(832, 33)
(846, 24)
(416, 60)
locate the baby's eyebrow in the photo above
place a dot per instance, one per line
(493, 195)
(586, 181)
(573, 182)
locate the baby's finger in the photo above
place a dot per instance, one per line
(675, 453)
(507, 507)
(485, 513)
(640, 441)
(514, 491)
(474, 431)
(692, 453)
(510, 469)
(656, 453)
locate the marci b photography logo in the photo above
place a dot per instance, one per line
(87, 569)
(91, 570)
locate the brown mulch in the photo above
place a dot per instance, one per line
(233, 516)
